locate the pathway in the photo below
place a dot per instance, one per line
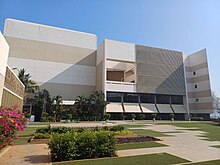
(26, 155)
(184, 143)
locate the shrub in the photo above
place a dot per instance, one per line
(107, 116)
(42, 136)
(70, 146)
(11, 121)
(53, 130)
(117, 128)
(43, 130)
(63, 147)
(69, 116)
(60, 130)
(133, 116)
(141, 116)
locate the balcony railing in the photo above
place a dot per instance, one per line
(120, 86)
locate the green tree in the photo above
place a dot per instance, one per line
(83, 107)
(41, 103)
(98, 103)
(30, 86)
(92, 107)
(57, 108)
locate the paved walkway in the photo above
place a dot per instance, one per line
(185, 144)
(26, 155)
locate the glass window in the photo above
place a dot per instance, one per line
(194, 73)
(130, 98)
(177, 99)
(147, 98)
(163, 99)
(114, 96)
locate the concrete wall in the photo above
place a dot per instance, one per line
(4, 49)
(13, 91)
(60, 60)
(197, 74)
(159, 71)
(120, 51)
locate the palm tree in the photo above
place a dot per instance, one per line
(57, 107)
(30, 86)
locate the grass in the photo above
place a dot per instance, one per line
(24, 136)
(216, 146)
(212, 129)
(139, 145)
(43, 123)
(144, 132)
(152, 159)
(213, 162)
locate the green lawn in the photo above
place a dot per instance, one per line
(213, 162)
(24, 136)
(153, 159)
(144, 132)
(212, 129)
(139, 145)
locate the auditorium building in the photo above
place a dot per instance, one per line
(135, 78)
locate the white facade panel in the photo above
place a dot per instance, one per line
(201, 86)
(4, 49)
(120, 86)
(200, 100)
(33, 31)
(132, 108)
(148, 108)
(200, 72)
(121, 51)
(164, 108)
(114, 107)
(179, 109)
(54, 72)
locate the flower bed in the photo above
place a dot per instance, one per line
(136, 139)
(12, 120)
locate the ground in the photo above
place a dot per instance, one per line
(181, 143)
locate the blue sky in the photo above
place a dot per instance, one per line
(185, 25)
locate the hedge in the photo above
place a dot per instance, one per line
(84, 145)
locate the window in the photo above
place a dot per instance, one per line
(147, 98)
(114, 96)
(162, 99)
(176, 99)
(196, 86)
(194, 73)
(130, 98)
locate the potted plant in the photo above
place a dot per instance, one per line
(107, 117)
(141, 116)
(154, 115)
(172, 116)
(133, 116)
(69, 117)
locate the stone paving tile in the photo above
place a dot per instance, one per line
(26, 155)
(185, 144)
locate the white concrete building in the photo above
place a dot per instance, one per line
(135, 78)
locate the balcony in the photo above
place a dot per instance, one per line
(118, 86)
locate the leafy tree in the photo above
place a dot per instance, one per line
(98, 103)
(92, 107)
(30, 86)
(83, 109)
(57, 108)
(215, 100)
(41, 103)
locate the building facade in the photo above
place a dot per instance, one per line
(11, 88)
(136, 79)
